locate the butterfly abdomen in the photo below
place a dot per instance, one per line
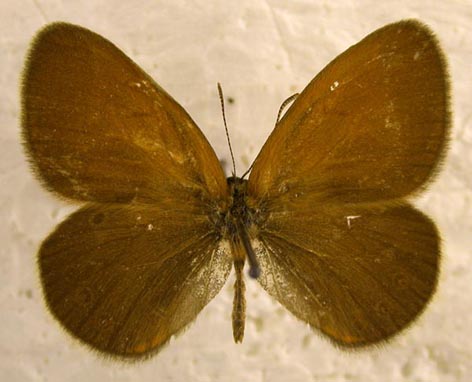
(239, 303)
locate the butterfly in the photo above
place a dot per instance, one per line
(322, 220)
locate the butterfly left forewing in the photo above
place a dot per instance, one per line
(359, 275)
(97, 128)
(124, 279)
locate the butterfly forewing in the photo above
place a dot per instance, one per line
(359, 275)
(337, 247)
(370, 127)
(124, 280)
(97, 128)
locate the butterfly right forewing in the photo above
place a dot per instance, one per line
(372, 126)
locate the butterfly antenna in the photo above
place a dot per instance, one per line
(279, 114)
(222, 101)
(284, 105)
(248, 170)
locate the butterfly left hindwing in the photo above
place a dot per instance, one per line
(124, 279)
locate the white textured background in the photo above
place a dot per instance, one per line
(261, 51)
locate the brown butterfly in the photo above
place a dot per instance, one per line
(322, 218)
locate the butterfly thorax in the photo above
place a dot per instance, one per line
(238, 210)
(238, 222)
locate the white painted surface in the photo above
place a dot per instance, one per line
(261, 51)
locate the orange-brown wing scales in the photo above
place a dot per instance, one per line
(99, 129)
(358, 275)
(125, 279)
(370, 127)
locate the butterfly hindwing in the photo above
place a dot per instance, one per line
(359, 275)
(124, 279)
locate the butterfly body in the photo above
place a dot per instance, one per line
(324, 219)
(239, 228)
